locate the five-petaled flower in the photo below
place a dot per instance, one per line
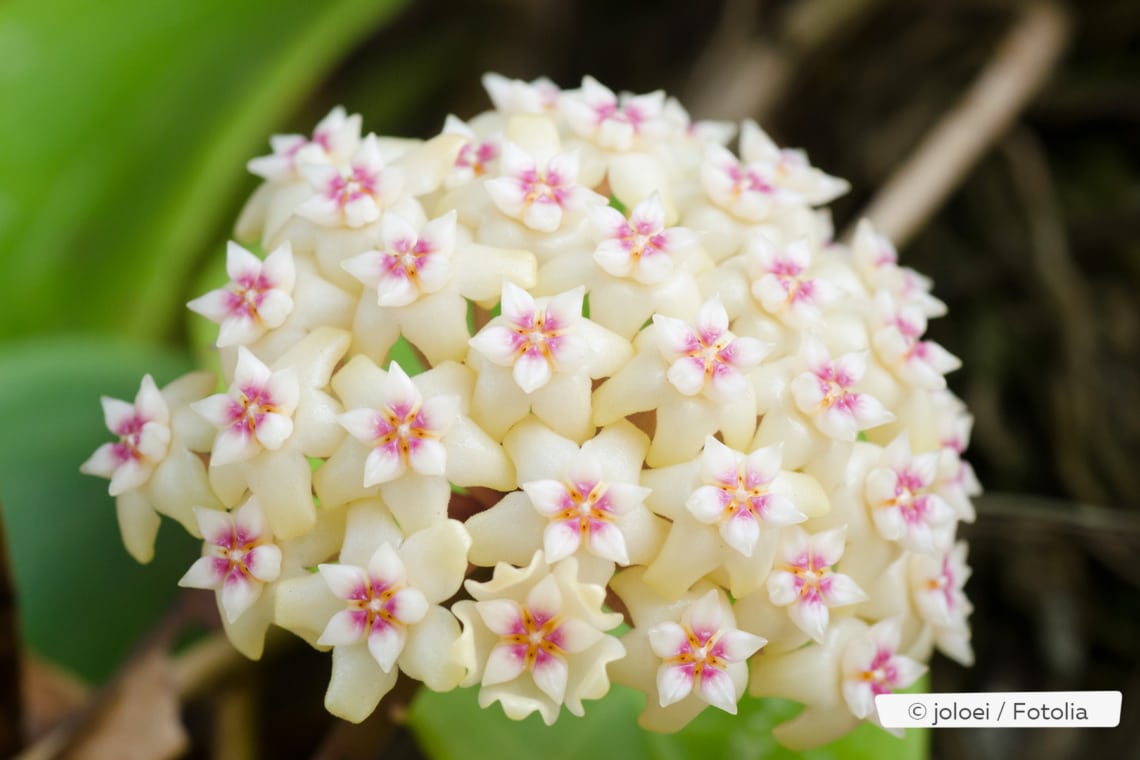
(334, 139)
(903, 504)
(872, 666)
(411, 263)
(257, 412)
(597, 114)
(404, 432)
(640, 247)
(705, 357)
(697, 652)
(351, 195)
(538, 196)
(238, 557)
(536, 337)
(380, 606)
(825, 393)
(583, 509)
(258, 297)
(781, 283)
(736, 494)
(143, 429)
(805, 582)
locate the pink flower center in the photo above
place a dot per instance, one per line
(374, 605)
(360, 182)
(537, 334)
(248, 410)
(882, 675)
(476, 157)
(401, 427)
(535, 638)
(586, 504)
(543, 187)
(748, 179)
(232, 555)
(834, 384)
(244, 297)
(744, 494)
(406, 259)
(701, 650)
(130, 436)
(812, 576)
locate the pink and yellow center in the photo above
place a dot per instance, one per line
(586, 504)
(535, 638)
(701, 650)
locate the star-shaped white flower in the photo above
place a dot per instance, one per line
(258, 297)
(380, 606)
(936, 583)
(825, 393)
(903, 504)
(872, 666)
(404, 432)
(697, 653)
(641, 247)
(898, 341)
(538, 196)
(705, 358)
(782, 285)
(613, 123)
(410, 264)
(535, 337)
(255, 414)
(334, 139)
(805, 582)
(516, 96)
(143, 429)
(736, 495)
(583, 510)
(354, 194)
(238, 557)
(476, 158)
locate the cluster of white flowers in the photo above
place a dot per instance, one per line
(652, 388)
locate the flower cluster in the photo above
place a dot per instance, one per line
(637, 381)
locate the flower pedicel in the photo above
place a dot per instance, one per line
(675, 393)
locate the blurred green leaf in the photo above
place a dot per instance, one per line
(124, 142)
(444, 725)
(83, 601)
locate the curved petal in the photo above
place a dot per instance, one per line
(385, 643)
(344, 628)
(718, 690)
(674, 683)
(550, 675)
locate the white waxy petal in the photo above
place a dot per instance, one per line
(545, 600)
(264, 562)
(707, 504)
(575, 636)
(811, 617)
(395, 289)
(607, 541)
(738, 646)
(807, 392)
(400, 393)
(565, 309)
(908, 671)
(345, 581)
(214, 305)
(238, 594)
(782, 589)
(344, 628)
(712, 319)
(102, 462)
(560, 539)
(674, 683)
(828, 545)
(216, 526)
(250, 371)
(440, 412)
(427, 456)
(240, 263)
(674, 337)
(704, 616)
(748, 352)
(687, 375)
(667, 639)
(275, 308)
(128, 476)
(543, 215)
(502, 616)
(761, 465)
(366, 267)
(505, 663)
(549, 497)
(508, 195)
(718, 690)
(273, 430)
(870, 412)
(232, 446)
(204, 573)
(779, 510)
(614, 259)
(841, 590)
(719, 463)
(116, 413)
(215, 409)
(859, 697)
(385, 566)
(653, 267)
(550, 676)
(409, 606)
(624, 498)
(531, 371)
(385, 643)
(361, 211)
(361, 424)
(383, 465)
(497, 343)
(741, 532)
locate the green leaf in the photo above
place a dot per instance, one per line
(128, 123)
(446, 726)
(83, 601)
